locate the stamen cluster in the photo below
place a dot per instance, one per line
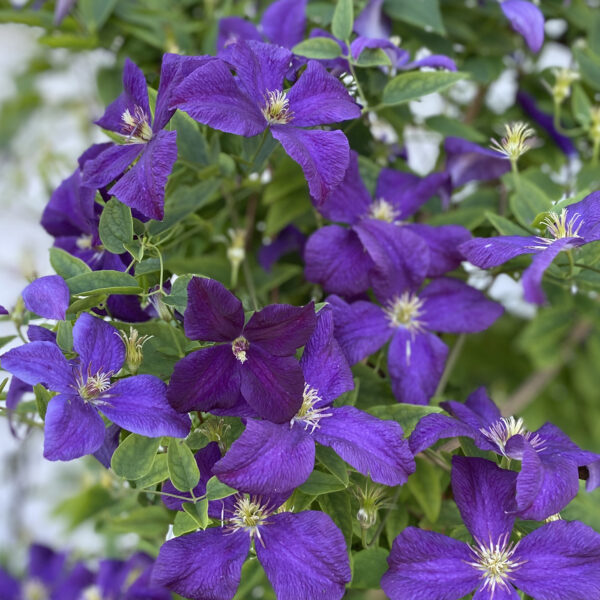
(276, 110)
(94, 385)
(559, 226)
(239, 348)
(515, 141)
(248, 515)
(406, 311)
(308, 414)
(382, 210)
(136, 127)
(506, 427)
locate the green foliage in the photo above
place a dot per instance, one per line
(183, 469)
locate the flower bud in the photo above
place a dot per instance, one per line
(236, 252)
(370, 501)
(133, 349)
(561, 89)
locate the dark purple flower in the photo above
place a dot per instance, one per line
(47, 297)
(574, 226)
(73, 425)
(559, 560)
(270, 458)
(548, 479)
(253, 364)
(303, 554)
(255, 100)
(416, 356)
(527, 19)
(289, 239)
(347, 261)
(145, 142)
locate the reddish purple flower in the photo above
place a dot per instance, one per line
(346, 261)
(574, 226)
(272, 458)
(73, 426)
(255, 100)
(253, 366)
(559, 560)
(549, 476)
(145, 141)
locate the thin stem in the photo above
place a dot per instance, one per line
(450, 363)
(582, 266)
(515, 172)
(560, 128)
(260, 146)
(571, 262)
(379, 529)
(353, 73)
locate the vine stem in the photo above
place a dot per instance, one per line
(454, 354)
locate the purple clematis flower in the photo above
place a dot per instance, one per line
(559, 560)
(527, 19)
(269, 458)
(47, 297)
(253, 365)
(548, 479)
(289, 239)
(303, 554)
(574, 226)
(345, 261)
(73, 425)
(146, 142)
(416, 356)
(255, 100)
(48, 576)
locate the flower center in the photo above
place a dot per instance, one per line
(405, 311)
(276, 110)
(382, 210)
(506, 427)
(308, 414)
(134, 342)
(92, 593)
(515, 141)
(248, 515)
(136, 126)
(94, 385)
(84, 242)
(559, 226)
(495, 562)
(240, 348)
(34, 590)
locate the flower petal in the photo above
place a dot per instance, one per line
(304, 556)
(111, 442)
(213, 313)
(415, 363)
(484, 493)
(139, 404)
(429, 566)
(268, 459)
(205, 379)
(373, 447)
(109, 164)
(372, 22)
(527, 19)
(10, 588)
(203, 565)
(289, 239)
(323, 156)
(73, 428)
(435, 427)
(284, 22)
(481, 404)
(99, 345)
(234, 29)
(336, 259)
(587, 213)
(491, 252)
(452, 306)
(47, 297)
(44, 564)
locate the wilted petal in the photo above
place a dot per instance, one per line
(47, 297)
(415, 363)
(527, 19)
(484, 493)
(452, 306)
(73, 428)
(373, 447)
(361, 328)
(234, 29)
(323, 156)
(284, 22)
(336, 258)
(560, 560)
(429, 566)
(205, 565)
(491, 252)
(205, 379)
(304, 556)
(98, 344)
(139, 404)
(280, 329)
(272, 385)
(213, 313)
(109, 164)
(268, 459)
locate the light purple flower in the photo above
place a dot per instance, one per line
(47, 297)
(255, 100)
(252, 367)
(549, 477)
(559, 560)
(574, 226)
(274, 459)
(73, 426)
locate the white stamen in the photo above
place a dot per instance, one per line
(559, 226)
(276, 109)
(93, 386)
(382, 210)
(506, 427)
(239, 348)
(136, 127)
(248, 515)
(406, 311)
(308, 414)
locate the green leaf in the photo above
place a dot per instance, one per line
(178, 296)
(183, 468)
(198, 511)
(84, 505)
(94, 14)
(343, 19)
(424, 484)
(422, 13)
(147, 521)
(373, 57)
(70, 41)
(159, 471)
(116, 226)
(66, 265)
(333, 463)
(504, 226)
(134, 456)
(528, 202)
(337, 506)
(414, 85)
(42, 397)
(452, 127)
(106, 282)
(318, 47)
(321, 483)
(184, 523)
(581, 105)
(408, 415)
(215, 490)
(369, 567)
(64, 336)
(589, 66)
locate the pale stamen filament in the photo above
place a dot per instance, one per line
(506, 427)
(308, 414)
(277, 108)
(406, 311)
(559, 226)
